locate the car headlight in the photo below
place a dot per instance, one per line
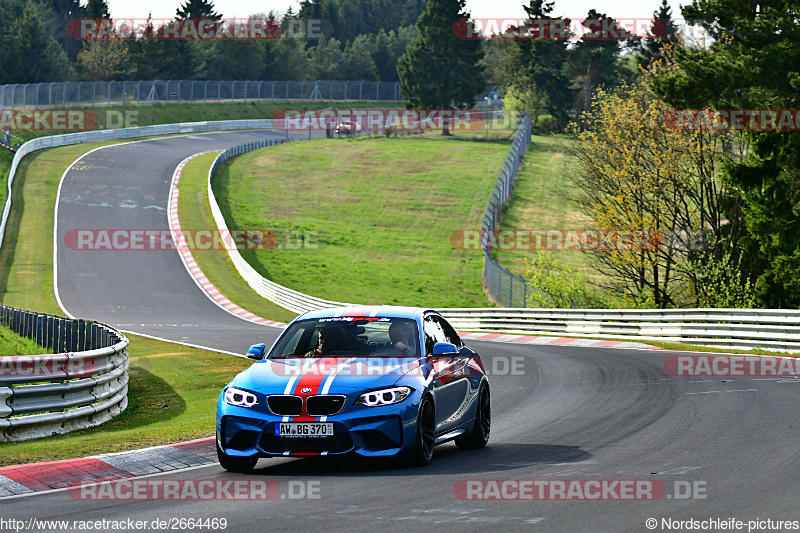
(384, 397)
(240, 398)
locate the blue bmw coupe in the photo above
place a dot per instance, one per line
(376, 381)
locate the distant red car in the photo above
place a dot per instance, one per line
(348, 127)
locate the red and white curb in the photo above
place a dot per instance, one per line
(191, 265)
(38, 477)
(556, 341)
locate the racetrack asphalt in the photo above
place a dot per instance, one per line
(721, 447)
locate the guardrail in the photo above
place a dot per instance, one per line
(122, 133)
(503, 286)
(84, 383)
(159, 91)
(294, 301)
(769, 329)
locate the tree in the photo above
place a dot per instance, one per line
(57, 18)
(28, 51)
(664, 32)
(197, 9)
(438, 70)
(327, 59)
(104, 60)
(97, 9)
(358, 62)
(533, 69)
(637, 173)
(594, 60)
(287, 59)
(753, 63)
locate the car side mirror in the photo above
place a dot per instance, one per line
(444, 349)
(256, 351)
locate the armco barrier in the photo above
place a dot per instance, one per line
(84, 383)
(721, 328)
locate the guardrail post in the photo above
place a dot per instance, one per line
(39, 337)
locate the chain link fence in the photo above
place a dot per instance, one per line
(202, 91)
(504, 287)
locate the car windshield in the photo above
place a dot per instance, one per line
(349, 336)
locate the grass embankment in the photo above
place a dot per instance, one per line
(172, 394)
(13, 344)
(379, 214)
(539, 202)
(195, 213)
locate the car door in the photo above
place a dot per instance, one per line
(458, 386)
(445, 387)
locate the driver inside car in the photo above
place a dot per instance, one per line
(402, 336)
(330, 339)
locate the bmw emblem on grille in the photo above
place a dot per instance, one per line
(305, 390)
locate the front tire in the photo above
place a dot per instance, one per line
(479, 436)
(241, 465)
(422, 453)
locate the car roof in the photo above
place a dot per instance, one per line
(390, 311)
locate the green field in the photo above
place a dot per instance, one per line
(366, 220)
(13, 344)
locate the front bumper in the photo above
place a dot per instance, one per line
(369, 432)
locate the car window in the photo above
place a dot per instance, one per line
(449, 333)
(348, 336)
(433, 333)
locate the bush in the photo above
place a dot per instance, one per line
(552, 283)
(546, 124)
(720, 283)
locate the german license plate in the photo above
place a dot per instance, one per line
(304, 429)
